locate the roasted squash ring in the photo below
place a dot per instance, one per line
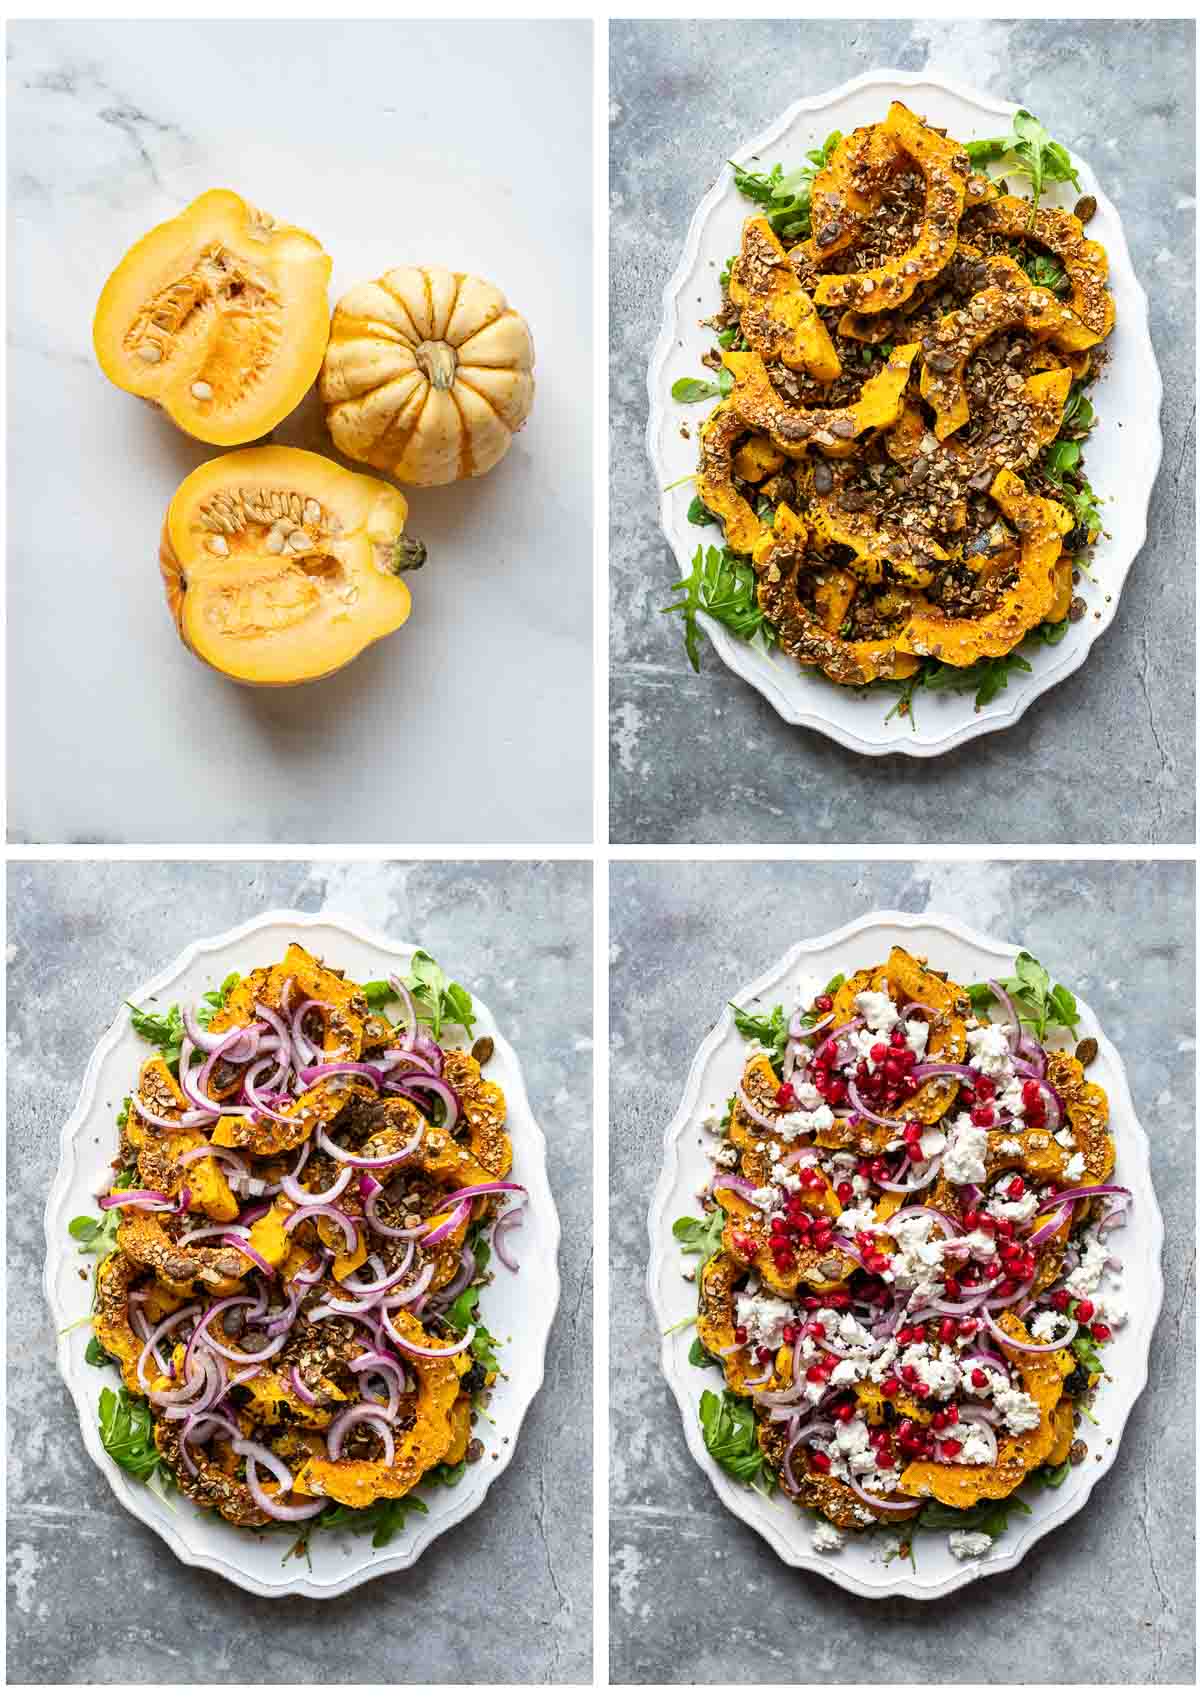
(483, 1109)
(1042, 526)
(872, 546)
(1060, 232)
(714, 483)
(716, 1319)
(794, 430)
(777, 317)
(110, 1320)
(216, 1269)
(945, 168)
(909, 980)
(963, 1485)
(1087, 1115)
(212, 1486)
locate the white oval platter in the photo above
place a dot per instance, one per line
(519, 1309)
(1123, 451)
(968, 956)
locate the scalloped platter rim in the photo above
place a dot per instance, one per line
(1123, 454)
(524, 1308)
(857, 1568)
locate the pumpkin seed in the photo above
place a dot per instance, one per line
(1086, 1051)
(482, 1050)
(150, 353)
(218, 545)
(300, 542)
(274, 543)
(312, 512)
(1085, 208)
(202, 391)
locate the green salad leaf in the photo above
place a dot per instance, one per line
(731, 1438)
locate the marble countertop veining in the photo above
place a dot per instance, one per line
(93, 1595)
(705, 759)
(393, 143)
(1109, 1597)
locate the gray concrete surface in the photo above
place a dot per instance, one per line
(93, 1595)
(705, 759)
(696, 1595)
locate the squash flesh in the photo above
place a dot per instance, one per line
(268, 615)
(218, 317)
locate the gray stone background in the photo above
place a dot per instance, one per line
(697, 1596)
(705, 759)
(93, 1595)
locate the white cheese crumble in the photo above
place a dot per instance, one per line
(1086, 1277)
(990, 1053)
(877, 1009)
(1009, 1146)
(1065, 1140)
(764, 1319)
(965, 1161)
(1074, 1168)
(802, 1121)
(827, 1537)
(1045, 1326)
(1021, 1414)
(967, 1545)
(917, 1033)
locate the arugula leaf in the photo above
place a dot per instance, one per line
(96, 1356)
(787, 200)
(214, 1000)
(722, 585)
(698, 513)
(770, 1030)
(987, 677)
(383, 1520)
(1035, 998)
(438, 1000)
(445, 1473)
(699, 1357)
(1086, 1351)
(700, 389)
(1046, 272)
(483, 1349)
(1051, 1477)
(700, 1237)
(1051, 633)
(984, 1517)
(127, 1434)
(730, 1435)
(1033, 152)
(123, 1117)
(1078, 414)
(164, 1031)
(379, 995)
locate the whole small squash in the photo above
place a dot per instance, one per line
(428, 375)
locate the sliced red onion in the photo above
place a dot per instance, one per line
(406, 1083)
(935, 1069)
(154, 1202)
(882, 1503)
(418, 1288)
(461, 1213)
(159, 1332)
(985, 1432)
(256, 1256)
(1034, 1053)
(860, 1106)
(722, 1181)
(1061, 1340)
(371, 1413)
(1059, 1219)
(254, 1092)
(840, 1031)
(1002, 1337)
(426, 1350)
(491, 1188)
(1091, 1191)
(392, 1159)
(911, 1210)
(299, 1195)
(213, 1232)
(388, 1280)
(404, 997)
(271, 1506)
(993, 1303)
(189, 1084)
(191, 1429)
(202, 1389)
(931, 1170)
(348, 1229)
(979, 1412)
(302, 1048)
(327, 1069)
(277, 1024)
(300, 1389)
(1006, 1002)
(227, 1158)
(185, 1119)
(464, 1275)
(988, 1357)
(759, 1119)
(371, 1210)
(513, 1218)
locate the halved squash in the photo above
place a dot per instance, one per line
(716, 1319)
(777, 317)
(220, 317)
(280, 567)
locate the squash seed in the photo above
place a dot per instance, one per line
(274, 543)
(300, 542)
(150, 352)
(202, 391)
(218, 545)
(312, 512)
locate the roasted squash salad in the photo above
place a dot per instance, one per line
(902, 355)
(292, 1254)
(905, 1277)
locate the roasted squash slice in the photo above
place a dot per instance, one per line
(215, 1484)
(800, 633)
(746, 1239)
(216, 1269)
(110, 1319)
(716, 1319)
(831, 1498)
(945, 168)
(714, 483)
(1042, 526)
(964, 1485)
(777, 317)
(220, 317)
(280, 567)
(460, 1430)
(757, 459)
(1087, 1115)
(831, 429)
(483, 1109)
(910, 981)
(358, 1483)
(1064, 1432)
(1085, 262)
(301, 977)
(909, 558)
(317, 1107)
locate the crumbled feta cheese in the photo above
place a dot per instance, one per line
(1009, 1146)
(807, 1094)
(727, 1155)
(764, 1318)
(990, 1053)
(877, 1009)
(917, 1033)
(1111, 1311)
(978, 1448)
(712, 1122)
(800, 1122)
(1013, 1208)
(1045, 1326)
(966, 1545)
(827, 1537)
(1074, 1168)
(1011, 1099)
(851, 1221)
(766, 1198)
(935, 1368)
(860, 1186)
(861, 1042)
(965, 1161)
(1084, 1279)
(1065, 1139)
(932, 1144)
(1021, 1414)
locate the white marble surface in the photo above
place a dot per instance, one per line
(465, 144)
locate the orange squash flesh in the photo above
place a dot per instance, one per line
(284, 600)
(220, 317)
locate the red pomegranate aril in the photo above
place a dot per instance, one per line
(909, 1375)
(940, 1419)
(982, 1116)
(816, 1329)
(971, 1219)
(1006, 1287)
(922, 1389)
(1060, 1298)
(1031, 1092)
(823, 1003)
(835, 1300)
(947, 1332)
(785, 1261)
(843, 1412)
(836, 1091)
(984, 1088)
(885, 1459)
(790, 1334)
(809, 1176)
(1101, 1332)
(845, 1192)
(879, 1052)
(740, 1334)
(890, 1386)
(953, 1288)
(819, 1461)
(1005, 1228)
(764, 1356)
(1084, 1310)
(967, 1097)
(978, 1378)
(785, 1096)
(898, 1038)
(1016, 1187)
(951, 1447)
(813, 1375)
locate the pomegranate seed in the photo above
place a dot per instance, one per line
(843, 1412)
(821, 1077)
(893, 1069)
(922, 1389)
(1005, 1229)
(982, 1116)
(863, 1170)
(778, 1224)
(911, 1444)
(947, 1331)
(812, 1302)
(978, 1377)
(1101, 1332)
(836, 1092)
(953, 1288)
(918, 1333)
(908, 1375)
(1060, 1299)
(991, 1269)
(823, 1003)
(967, 1097)
(837, 1300)
(1016, 1187)
(1031, 1092)
(845, 1192)
(740, 1334)
(809, 1176)
(897, 1039)
(1084, 1311)
(880, 1170)
(1006, 1287)
(813, 1375)
(827, 1052)
(816, 1329)
(778, 1243)
(764, 1355)
(951, 1446)
(789, 1335)
(819, 1461)
(878, 1052)
(890, 1386)
(906, 1428)
(785, 1261)
(885, 1459)
(971, 1219)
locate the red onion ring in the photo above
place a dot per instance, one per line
(882, 1503)
(429, 1082)
(256, 1256)
(300, 1389)
(418, 1288)
(512, 1218)
(348, 1229)
(271, 1506)
(182, 1121)
(424, 1350)
(461, 1213)
(326, 1070)
(1006, 1338)
(860, 1106)
(371, 1413)
(159, 1332)
(299, 1195)
(404, 997)
(379, 1286)
(392, 1159)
